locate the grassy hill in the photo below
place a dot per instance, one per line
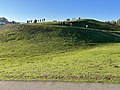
(94, 24)
(53, 52)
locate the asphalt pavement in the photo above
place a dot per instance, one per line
(38, 85)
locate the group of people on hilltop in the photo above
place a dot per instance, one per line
(36, 21)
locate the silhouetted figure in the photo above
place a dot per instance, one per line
(40, 20)
(79, 18)
(35, 21)
(63, 23)
(43, 20)
(31, 21)
(27, 21)
(73, 18)
(13, 22)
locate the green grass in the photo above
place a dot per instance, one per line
(40, 52)
(94, 24)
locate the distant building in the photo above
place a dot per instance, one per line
(3, 20)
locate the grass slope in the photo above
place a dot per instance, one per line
(40, 52)
(83, 22)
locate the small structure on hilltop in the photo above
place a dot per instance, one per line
(3, 20)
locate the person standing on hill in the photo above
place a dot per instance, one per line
(40, 20)
(31, 21)
(44, 19)
(27, 21)
(35, 21)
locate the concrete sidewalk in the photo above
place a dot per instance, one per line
(19, 85)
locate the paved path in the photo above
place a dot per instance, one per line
(18, 85)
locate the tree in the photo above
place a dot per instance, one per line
(68, 19)
(113, 22)
(13, 22)
(118, 22)
(108, 22)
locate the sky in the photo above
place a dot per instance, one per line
(23, 10)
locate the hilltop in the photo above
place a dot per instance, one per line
(93, 24)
